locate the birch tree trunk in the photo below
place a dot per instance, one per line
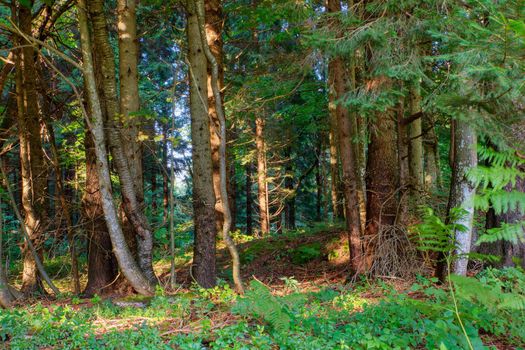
(462, 191)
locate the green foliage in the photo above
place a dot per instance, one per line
(512, 233)
(435, 235)
(259, 302)
(305, 253)
(331, 318)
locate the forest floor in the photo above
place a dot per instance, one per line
(299, 297)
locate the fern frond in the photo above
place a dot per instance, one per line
(507, 232)
(498, 158)
(500, 200)
(260, 302)
(496, 177)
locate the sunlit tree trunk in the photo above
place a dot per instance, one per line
(213, 26)
(262, 184)
(125, 259)
(203, 191)
(33, 167)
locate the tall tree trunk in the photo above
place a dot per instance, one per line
(339, 83)
(262, 184)
(129, 91)
(289, 205)
(318, 182)
(337, 202)
(382, 179)
(430, 147)
(102, 265)
(213, 26)
(415, 145)
(125, 259)
(33, 167)
(249, 199)
(127, 173)
(223, 168)
(462, 191)
(165, 179)
(403, 151)
(203, 191)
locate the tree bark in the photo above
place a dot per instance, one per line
(249, 199)
(129, 91)
(339, 84)
(33, 167)
(126, 171)
(462, 191)
(213, 26)
(382, 179)
(203, 191)
(102, 265)
(223, 169)
(415, 144)
(337, 202)
(264, 220)
(430, 147)
(124, 257)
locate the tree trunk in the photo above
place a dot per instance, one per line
(289, 204)
(124, 257)
(430, 146)
(102, 265)
(462, 191)
(403, 151)
(126, 171)
(415, 145)
(203, 191)
(337, 202)
(249, 199)
(339, 84)
(318, 182)
(382, 179)
(213, 26)
(264, 219)
(165, 179)
(129, 91)
(33, 167)
(223, 168)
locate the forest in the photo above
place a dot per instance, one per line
(262, 174)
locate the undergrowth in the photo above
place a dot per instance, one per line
(336, 317)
